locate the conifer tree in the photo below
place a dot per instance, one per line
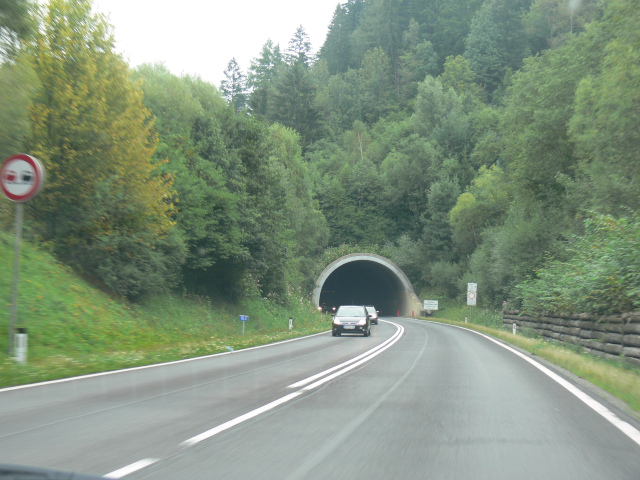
(485, 50)
(262, 74)
(336, 49)
(233, 86)
(299, 49)
(293, 104)
(294, 99)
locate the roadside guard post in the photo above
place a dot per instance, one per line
(243, 319)
(21, 345)
(21, 178)
(290, 323)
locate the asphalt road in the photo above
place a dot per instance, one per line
(431, 401)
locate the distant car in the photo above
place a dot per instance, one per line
(374, 314)
(351, 319)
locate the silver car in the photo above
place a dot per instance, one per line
(374, 314)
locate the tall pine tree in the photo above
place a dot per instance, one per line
(294, 99)
(233, 87)
(262, 74)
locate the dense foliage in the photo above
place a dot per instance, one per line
(598, 272)
(468, 140)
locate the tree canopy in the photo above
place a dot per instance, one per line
(477, 141)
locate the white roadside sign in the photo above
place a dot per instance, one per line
(430, 305)
(471, 299)
(21, 177)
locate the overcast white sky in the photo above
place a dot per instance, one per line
(199, 37)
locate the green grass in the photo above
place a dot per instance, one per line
(478, 316)
(75, 329)
(619, 378)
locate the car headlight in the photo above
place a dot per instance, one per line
(363, 321)
(336, 321)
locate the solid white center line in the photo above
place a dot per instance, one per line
(357, 364)
(134, 467)
(382, 346)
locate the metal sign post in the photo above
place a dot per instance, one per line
(21, 178)
(13, 314)
(244, 319)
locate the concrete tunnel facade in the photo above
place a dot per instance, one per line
(366, 279)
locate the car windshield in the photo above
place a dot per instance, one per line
(351, 311)
(371, 310)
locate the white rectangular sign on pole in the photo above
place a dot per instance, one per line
(430, 304)
(471, 299)
(472, 294)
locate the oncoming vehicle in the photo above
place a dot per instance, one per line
(374, 314)
(351, 319)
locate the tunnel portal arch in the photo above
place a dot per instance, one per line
(366, 279)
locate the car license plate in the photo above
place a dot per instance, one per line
(349, 327)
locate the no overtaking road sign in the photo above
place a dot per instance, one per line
(471, 299)
(21, 177)
(472, 294)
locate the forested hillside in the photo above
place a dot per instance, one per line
(488, 141)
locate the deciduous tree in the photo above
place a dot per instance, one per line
(95, 138)
(606, 124)
(17, 22)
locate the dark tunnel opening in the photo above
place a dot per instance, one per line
(362, 283)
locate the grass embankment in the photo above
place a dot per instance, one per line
(75, 329)
(619, 378)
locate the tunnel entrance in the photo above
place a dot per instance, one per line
(366, 279)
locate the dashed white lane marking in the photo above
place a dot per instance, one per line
(238, 420)
(335, 372)
(134, 467)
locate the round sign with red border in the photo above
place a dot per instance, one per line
(21, 177)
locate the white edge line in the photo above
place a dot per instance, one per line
(626, 428)
(144, 367)
(307, 380)
(270, 406)
(134, 467)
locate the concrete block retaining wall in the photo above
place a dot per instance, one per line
(609, 336)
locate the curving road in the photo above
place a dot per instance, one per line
(415, 400)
